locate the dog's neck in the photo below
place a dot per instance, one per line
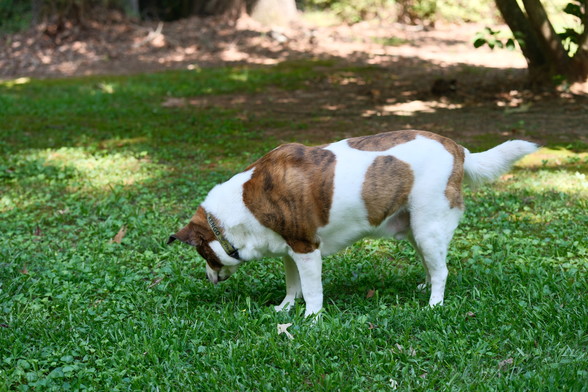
(218, 233)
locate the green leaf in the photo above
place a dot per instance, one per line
(479, 42)
(573, 9)
(571, 34)
(510, 44)
(490, 31)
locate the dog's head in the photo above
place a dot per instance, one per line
(219, 265)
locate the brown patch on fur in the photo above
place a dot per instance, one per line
(382, 141)
(453, 190)
(198, 234)
(291, 192)
(385, 141)
(387, 183)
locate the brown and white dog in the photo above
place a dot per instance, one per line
(302, 203)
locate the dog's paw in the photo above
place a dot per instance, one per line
(312, 311)
(422, 286)
(435, 301)
(285, 306)
(280, 308)
(314, 317)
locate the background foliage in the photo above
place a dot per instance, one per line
(408, 11)
(17, 14)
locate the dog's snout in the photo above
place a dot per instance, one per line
(212, 277)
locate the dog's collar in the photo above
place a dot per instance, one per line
(227, 246)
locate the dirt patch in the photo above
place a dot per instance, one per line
(427, 79)
(327, 112)
(120, 47)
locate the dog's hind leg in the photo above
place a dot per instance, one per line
(421, 286)
(293, 289)
(432, 234)
(398, 226)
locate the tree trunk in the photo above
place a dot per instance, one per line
(274, 12)
(537, 62)
(542, 47)
(548, 38)
(36, 11)
(132, 8)
(580, 59)
(217, 7)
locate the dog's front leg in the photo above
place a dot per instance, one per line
(310, 268)
(293, 289)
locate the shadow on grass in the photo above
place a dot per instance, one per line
(230, 111)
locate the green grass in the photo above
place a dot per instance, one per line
(81, 158)
(390, 41)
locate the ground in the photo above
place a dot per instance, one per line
(404, 76)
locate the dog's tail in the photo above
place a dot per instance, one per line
(486, 166)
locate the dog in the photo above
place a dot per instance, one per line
(302, 203)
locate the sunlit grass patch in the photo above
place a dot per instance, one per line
(6, 203)
(47, 183)
(390, 41)
(534, 216)
(551, 170)
(123, 142)
(556, 158)
(14, 82)
(554, 180)
(83, 170)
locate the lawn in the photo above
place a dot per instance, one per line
(95, 173)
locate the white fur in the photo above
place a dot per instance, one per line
(488, 165)
(242, 229)
(430, 175)
(309, 267)
(293, 288)
(427, 219)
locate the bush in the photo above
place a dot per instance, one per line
(15, 15)
(418, 11)
(350, 11)
(73, 10)
(407, 11)
(468, 11)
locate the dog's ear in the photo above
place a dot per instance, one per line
(187, 235)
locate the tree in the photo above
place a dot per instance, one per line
(279, 12)
(547, 56)
(274, 12)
